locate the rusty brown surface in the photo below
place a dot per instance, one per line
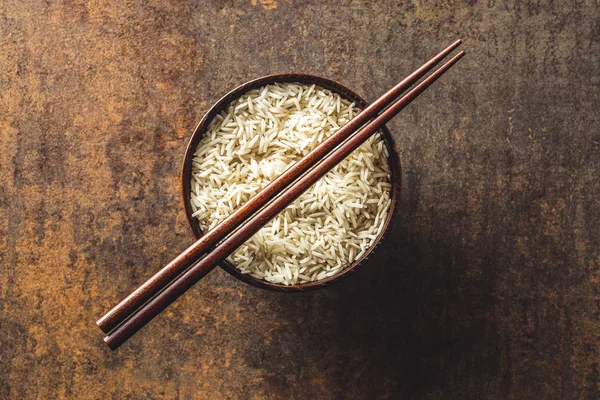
(488, 288)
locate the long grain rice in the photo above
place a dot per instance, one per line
(330, 225)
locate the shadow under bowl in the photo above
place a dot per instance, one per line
(186, 175)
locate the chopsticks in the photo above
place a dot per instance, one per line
(178, 276)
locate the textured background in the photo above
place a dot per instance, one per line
(488, 288)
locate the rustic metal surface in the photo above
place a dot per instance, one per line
(489, 287)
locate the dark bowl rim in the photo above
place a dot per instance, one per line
(224, 101)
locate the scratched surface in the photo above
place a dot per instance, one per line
(488, 288)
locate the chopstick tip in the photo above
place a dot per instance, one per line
(453, 46)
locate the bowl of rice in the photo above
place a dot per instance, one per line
(250, 136)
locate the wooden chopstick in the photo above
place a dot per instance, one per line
(182, 262)
(186, 280)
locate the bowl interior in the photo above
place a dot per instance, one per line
(221, 105)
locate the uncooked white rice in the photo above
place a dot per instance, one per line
(330, 225)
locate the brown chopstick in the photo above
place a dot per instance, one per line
(182, 262)
(186, 280)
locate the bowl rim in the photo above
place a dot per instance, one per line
(224, 101)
